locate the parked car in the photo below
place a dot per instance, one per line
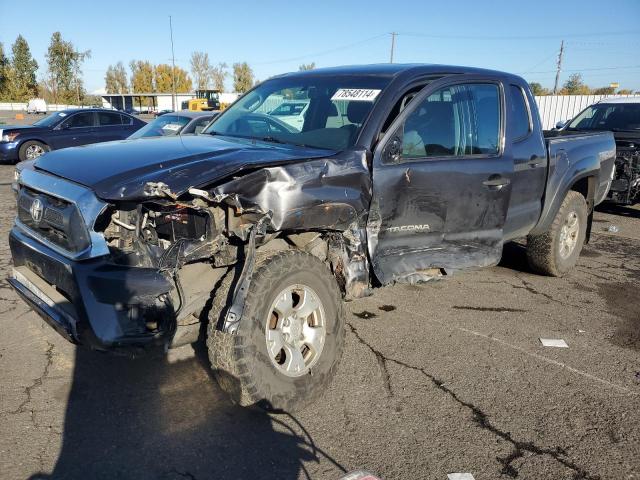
(183, 122)
(263, 229)
(622, 117)
(163, 112)
(63, 129)
(37, 105)
(291, 112)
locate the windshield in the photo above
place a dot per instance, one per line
(163, 126)
(330, 110)
(612, 116)
(50, 120)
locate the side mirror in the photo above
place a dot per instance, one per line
(392, 152)
(561, 124)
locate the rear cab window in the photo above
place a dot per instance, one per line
(520, 114)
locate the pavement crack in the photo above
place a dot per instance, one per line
(36, 383)
(481, 419)
(185, 474)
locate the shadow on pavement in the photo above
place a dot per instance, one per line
(514, 257)
(621, 210)
(149, 418)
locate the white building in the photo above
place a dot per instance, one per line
(155, 101)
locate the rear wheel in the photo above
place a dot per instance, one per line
(31, 150)
(290, 337)
(556, 251)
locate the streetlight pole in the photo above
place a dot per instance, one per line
(173, 69)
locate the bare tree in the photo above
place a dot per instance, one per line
(219, 74)
(201, 69)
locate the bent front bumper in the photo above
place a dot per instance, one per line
(93, 302)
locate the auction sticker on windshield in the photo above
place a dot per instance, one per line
(357, 94)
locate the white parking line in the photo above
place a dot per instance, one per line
(531, 354)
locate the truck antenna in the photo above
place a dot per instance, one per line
(393, 45)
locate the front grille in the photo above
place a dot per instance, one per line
(59, 221)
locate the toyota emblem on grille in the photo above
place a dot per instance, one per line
(36, 210)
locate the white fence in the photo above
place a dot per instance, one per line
(556, 108)
(553, 108)
(51, 107)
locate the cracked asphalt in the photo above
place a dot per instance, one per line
(444, 377)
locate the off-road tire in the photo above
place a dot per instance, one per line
(22, 152)
(240, 362)
(543, 251)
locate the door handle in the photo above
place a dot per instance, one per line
(534, 161)
(496, 182)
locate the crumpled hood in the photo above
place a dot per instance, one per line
(119, 170)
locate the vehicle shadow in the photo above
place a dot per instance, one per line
(622, 210)
(159, 419)
(514, 257)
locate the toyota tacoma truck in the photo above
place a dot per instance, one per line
(255, 232)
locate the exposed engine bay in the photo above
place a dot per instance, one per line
(625, 188)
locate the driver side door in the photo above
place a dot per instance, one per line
(78, 129)
(441, 182)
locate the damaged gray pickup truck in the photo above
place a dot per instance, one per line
(254, 232)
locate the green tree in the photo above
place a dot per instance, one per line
(164, 81)
(538, 89)
(603, 91)
(242, 77)
(218, 75)
(307, 66)
(21, 75)
(575, 86)
(65, 70)
(116, 79)
(141, 76)
(4, 65)
(200, 69)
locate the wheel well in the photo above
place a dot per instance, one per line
(586, 186)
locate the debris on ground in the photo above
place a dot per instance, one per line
(387, 308)
(553, 342)
(612, 229)
(359, 475)
(460, 476)
(365, 314)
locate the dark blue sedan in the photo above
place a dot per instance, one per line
(67, 128)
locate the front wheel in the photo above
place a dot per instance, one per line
(556, 251)
(31, 150)
(290, 337)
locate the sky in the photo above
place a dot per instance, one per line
(602, 40)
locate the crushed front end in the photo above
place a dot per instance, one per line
(625, 188)
(112, 276)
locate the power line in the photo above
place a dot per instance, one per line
(520, 37)
(325, 52)
(623, 67)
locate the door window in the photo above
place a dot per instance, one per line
(106, 119)
(455, 121)
(80, 120)
(520, 118)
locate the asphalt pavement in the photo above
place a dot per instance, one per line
(449, 376)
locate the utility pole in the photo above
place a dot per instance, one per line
(393, 45)
(555, 87)
(173, 69)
